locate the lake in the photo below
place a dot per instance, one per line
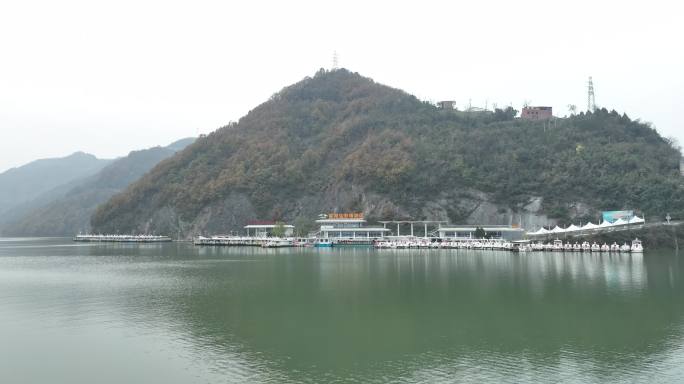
(176, 313)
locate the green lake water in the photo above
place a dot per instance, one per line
(174, 313)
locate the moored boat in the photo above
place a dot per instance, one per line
(323, 243)
(636, 246)
(277, 243)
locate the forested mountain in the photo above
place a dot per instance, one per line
(341, 142)
(22, 184)
(67, 209)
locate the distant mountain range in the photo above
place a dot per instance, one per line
(23, 184)
(339, 142)
(62, 207)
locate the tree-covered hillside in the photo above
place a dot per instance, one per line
(339, 141)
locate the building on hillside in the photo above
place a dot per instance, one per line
(464, 232)
(348, 228)
(446, 104)
(536, 113)
(264, 228)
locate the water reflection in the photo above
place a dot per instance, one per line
(307, 315)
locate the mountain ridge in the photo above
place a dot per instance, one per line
(21, 184)
(66, 209)
(339, 141)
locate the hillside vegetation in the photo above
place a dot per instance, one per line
(339, 141)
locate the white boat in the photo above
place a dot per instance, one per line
(557, 245)
(323, 243)
(521, 246)
(577, 247)
(381, 244)
(636, 246)
(614, 247)
(277, 243)
(586, 247)
(605, 248)
(625, 247)
(595, 248)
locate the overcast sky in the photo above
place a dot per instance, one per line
(110, 77)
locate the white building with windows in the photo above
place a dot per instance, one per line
(348, 228)
(265, 229)
(464, 232)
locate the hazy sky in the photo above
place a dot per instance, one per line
(110, 77)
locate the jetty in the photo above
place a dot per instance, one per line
(251, 241)
(235, 241)
(504, 245)
(121, 238)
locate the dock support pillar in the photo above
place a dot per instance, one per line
(397, 229)
(426, 234)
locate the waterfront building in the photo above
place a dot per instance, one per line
(464, 232)
(264, 228)
(348, 228)
(536, 113)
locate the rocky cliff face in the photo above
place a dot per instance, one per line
(235, 210)
(340, 142)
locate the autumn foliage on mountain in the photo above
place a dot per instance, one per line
(333, 141)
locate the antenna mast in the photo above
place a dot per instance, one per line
(591, 101)
(335, 63)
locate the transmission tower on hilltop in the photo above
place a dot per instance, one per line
(335, 61)
(591, 101)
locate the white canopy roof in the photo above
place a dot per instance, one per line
(571, 228)
(605, 224)
(557, 229)
(540, 231)
(589, 225)
(636, 220)
(620, 221)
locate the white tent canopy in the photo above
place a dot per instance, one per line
(620, 221)
(572, 227)
(589, 225)
(540, 231)
(636, 220)
(557, 229)
(605, 224)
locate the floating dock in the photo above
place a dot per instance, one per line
(235, 241)
(250, 241)
(122, 238)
